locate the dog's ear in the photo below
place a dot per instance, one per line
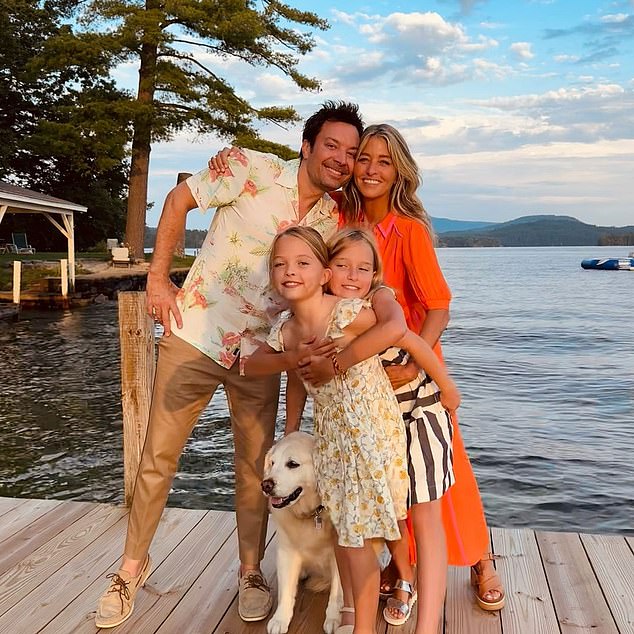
(268, 460)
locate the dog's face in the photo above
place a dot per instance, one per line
(288, 470)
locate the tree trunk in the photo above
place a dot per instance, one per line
(141, 147)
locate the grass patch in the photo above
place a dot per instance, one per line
(47, 265)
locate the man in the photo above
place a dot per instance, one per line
(220, 315)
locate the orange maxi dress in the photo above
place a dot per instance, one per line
(411, 268)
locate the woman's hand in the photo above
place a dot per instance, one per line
(401, 375)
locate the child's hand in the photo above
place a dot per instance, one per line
(450, 397)
(316, 370)
(312, 348)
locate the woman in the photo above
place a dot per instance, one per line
(382, 195)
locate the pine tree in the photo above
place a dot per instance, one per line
(178, 87)
(64, 123)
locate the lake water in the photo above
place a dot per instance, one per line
(543, 352)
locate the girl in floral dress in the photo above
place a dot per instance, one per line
(360, 459)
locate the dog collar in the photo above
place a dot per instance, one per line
(316, 515)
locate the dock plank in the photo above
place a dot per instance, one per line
(54, 558)
(35, 571)
(179, 577)
(44, 602)
(79, 615)
(20, 545)
(7, 504)
(462, 613)
(529, 607)
(576, 592)
(19, 517)
(219, 594)
(613, 563)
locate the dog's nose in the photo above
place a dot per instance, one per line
(267, 486)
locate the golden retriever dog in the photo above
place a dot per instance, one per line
(305, 536)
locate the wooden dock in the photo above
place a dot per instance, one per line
(54, 556)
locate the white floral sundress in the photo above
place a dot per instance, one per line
(360, 448)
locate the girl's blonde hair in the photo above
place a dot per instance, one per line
(403, 198)
(310, 236)
(344, 237)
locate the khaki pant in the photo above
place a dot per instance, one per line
(185, 382)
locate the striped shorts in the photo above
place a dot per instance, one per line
(429, 434)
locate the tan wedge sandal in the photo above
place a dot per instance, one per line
(485, 580)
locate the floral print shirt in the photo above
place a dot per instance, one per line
(226, 303)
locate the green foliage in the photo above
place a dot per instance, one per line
(184, 43)
(612, 239)
(64, 123)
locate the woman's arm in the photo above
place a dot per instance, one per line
(295, 401)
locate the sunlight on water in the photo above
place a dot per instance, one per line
(543, 352)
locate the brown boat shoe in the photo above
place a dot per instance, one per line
(117, 602)
(254, 597)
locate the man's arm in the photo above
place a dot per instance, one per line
(160, 290)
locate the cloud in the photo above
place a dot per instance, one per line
(411, 47)
(466, 6)
(522, 50)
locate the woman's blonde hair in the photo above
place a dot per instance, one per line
(310, 236)
(344, 237)
(403, 198)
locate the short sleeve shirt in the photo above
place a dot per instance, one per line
(226, 302)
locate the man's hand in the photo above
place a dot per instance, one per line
(400, 375)
(161, 300)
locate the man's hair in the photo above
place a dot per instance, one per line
(340, 111)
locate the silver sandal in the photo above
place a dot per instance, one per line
(404, 607)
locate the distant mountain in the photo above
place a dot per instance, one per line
(538, 231)
(526, 231)
(442, 225)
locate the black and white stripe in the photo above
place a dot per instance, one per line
(429, 434)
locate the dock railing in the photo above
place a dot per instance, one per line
(138, 362)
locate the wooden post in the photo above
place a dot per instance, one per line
(136, 333)
(179, 250)
(63, 265)
(17, 276)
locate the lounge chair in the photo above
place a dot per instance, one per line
(21, 243)
(121, 256)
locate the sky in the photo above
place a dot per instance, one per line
(510, 107)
